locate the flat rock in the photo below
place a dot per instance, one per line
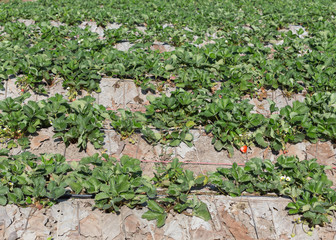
(4, 218)
(36, 142)
(111, 226)
(183, 150)
(90, 226)
(65, 213)
(124, 46)
(113, 26)
(27, 22)
(112, 93)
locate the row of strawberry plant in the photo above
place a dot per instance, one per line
(27, 179)
(81, 58)
(228, 119)
(77, 122)
(305, 182)
(200, 16)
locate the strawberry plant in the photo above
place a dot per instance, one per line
(305, 182)
(179, 183)
(126, 123)
(18, 121)
(81, 124)
(30, 179)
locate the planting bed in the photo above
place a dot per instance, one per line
(168, 108)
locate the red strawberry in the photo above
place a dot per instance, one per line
(243, 149)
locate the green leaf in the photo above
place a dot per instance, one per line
(190, 124)
(101, 195)
(161, 220)
(276, 145)
(3, 200)
(4, 152)
(208, 128)
(202, 211)
(175, 143)
(58, 192)
(152, 205)
(169, 67)
(219, 145)
(3, 190)
(293, 211)
(12, 198)
(151, 98)
(305, 208)
(11, 144)
(78, 104)
(160, 217)
(24, 142)
(76, 187)
(128, 195)
(260, 140)
(150, 215)
(188, 137)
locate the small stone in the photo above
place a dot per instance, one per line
(131, 223)
(202, 234)
(323, 152)
(112, 26)
(111, 226)
(157, 47)
(130, 92)
(174, 230)
(36, 224)
(29, 235)
(56, 23)
(65, 213)
(132, 150)
(237, 229)
(183, 149)
(36, 142)
(27, 22)
(296, 28)
(90, 226)
(141, 29)
(197, 222)
(298, 150)
(4, 218)
(90, 149)
(112, 93)
(167, 25)
(124, 46)
(13, 236)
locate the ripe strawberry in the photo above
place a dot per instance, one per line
(243, 149)
(22, 90)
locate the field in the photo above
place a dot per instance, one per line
(146, 103)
